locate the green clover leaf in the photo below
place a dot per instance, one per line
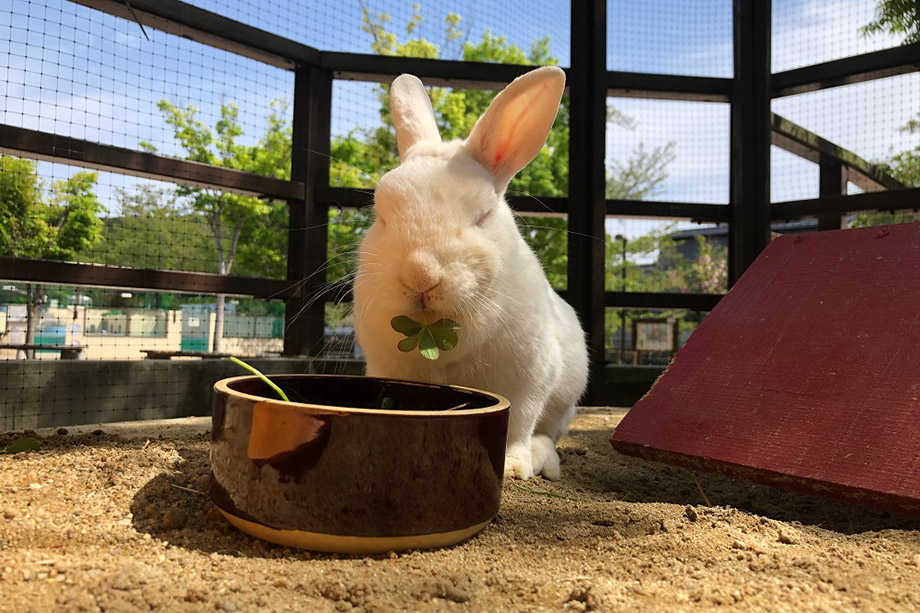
(406, 325)
(430, 339)
(408, 344)
(427, 346)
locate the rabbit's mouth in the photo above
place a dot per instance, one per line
(426, 315)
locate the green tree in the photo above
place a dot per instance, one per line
(899, 17)
(905, 167)
(57, 225)
(896, 17)
(226, 214)
(360, 157)
(155, 229)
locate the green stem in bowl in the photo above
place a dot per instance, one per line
(257, 373)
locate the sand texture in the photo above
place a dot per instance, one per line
(116, 520)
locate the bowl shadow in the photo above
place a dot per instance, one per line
(176, 507)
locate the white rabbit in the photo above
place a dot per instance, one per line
(444, 244)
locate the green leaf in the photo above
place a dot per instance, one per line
(428, 346)
(448, 324)
(408, 344)
(20, 445)
(445, 338)
(405, 325)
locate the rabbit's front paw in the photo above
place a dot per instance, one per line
(545, 458)
(518, 463)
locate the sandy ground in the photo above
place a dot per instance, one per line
(115, 521)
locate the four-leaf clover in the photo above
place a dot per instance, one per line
(430, 339)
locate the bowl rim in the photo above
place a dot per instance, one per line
(501, 403)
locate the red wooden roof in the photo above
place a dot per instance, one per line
(806, 375)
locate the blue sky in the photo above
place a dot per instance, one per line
(98, 78)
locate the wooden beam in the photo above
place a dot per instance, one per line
(65, 150)
(537, 206)
(98, 275)
(902, 199)
(587, 203)
(832, 181)
(750, 136)
(305, 317)
(648, 300)
(797, 140)
(650, 209)
(846, 71)
(668, 87)
(188, 21)
(441, 73)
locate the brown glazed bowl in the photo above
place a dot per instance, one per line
(330, 472)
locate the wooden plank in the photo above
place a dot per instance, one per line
(804, 376)
(183, 19)
(668, 87)
(98, 275)
(750, 136)
(857, 69)
(85, 154)
(652, 300)
(873, 201)
(797, 140)
(587, 202)
(304, 319)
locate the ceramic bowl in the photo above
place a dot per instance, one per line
(356, 464)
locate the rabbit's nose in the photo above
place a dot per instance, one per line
(420, 281)
(421, 273)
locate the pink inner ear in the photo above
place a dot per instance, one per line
(523, 114)
(497, 159)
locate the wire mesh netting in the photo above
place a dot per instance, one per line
(76, 75)
(874, 121)
(648, 336)
(71, 213)
(807, 32)
(449, 30)
(675, 256)
(666, 37)
(74, 71)
(667, 150)
(51, 335)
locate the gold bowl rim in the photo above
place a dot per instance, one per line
(501, 403)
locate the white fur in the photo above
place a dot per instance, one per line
(427, 257)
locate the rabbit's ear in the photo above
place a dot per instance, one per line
(515, 126)
(412, 113)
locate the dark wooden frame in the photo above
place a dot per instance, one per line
(309, 195)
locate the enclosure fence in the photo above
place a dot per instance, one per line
(757, 127)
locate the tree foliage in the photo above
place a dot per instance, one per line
(360, 157)
(226, 214)
(896, 17)
(154, 228)
(56, 225)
